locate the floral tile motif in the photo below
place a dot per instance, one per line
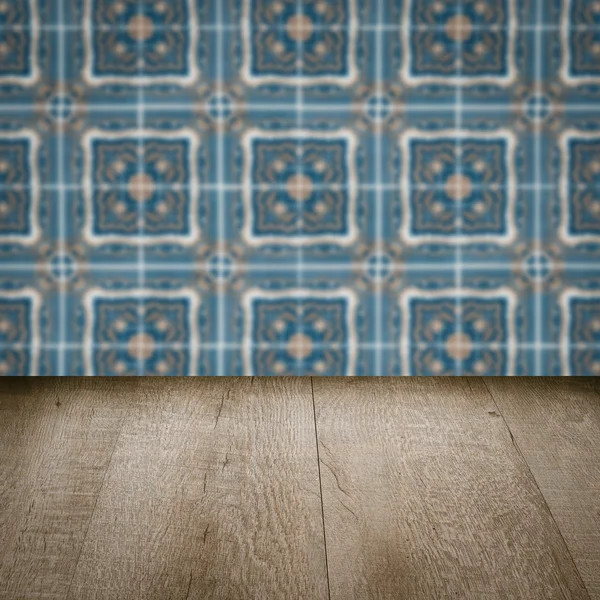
(299, 43)
(467, 333)
(581, 39)
(458, 186)
(19, 187)
(325, 187)
(471, 40)
(581, 333)
(299, 331)
(581, 187)
(141, 185)
(19, 332)
(146, 42)
(300, 187)
(153, 334)
(18, 42)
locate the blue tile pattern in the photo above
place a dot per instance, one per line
(147, 334)
(290, 42)
(475, 333)
(122, 201)
(468, 39)
(307, 332)
(328, 187)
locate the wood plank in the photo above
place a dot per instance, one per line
(556, 425)
(56, 440)
(213, 492)
(425, 496)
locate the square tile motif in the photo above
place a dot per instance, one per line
(141, 184)
(581, 41)
(19, 332)
(581, 186)
(300, 187)
(466, 333)
(581, 333)
(127, 40)
(129, 334)
(309, 187)
(301, 331)
(19, 42)
(458, 186)
(305, 43)
(446, 41)
(19, 187)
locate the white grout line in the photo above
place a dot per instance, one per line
(235, 187)
(458, 281)
(141, 217)
(417, 106)
(366, 27)
(318, 267)
(379, 236)
(299, 216)
(546, 346)
(62, 311)
(538, 196)
(221, 198)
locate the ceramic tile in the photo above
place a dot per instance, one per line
(332, 187)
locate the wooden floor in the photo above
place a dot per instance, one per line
(298, 488)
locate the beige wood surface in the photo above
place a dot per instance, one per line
(217, 488)
(213, 492)
(425, 496)
(556, 425)
(56, 440)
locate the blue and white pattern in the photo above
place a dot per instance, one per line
(458, 186)
(300, 187)
(142, 184)
(581, 353)
(143, 41)
(580, 191)
(19, 332)
(302, 330)
(19, 33)
(299, 44)
(310, 187)
(459, 42)
(468, 331)
(19, 191)
(150, 333)
(581, 41)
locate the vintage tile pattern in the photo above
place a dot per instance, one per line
(153, 205)
(328, 187)
(300, 187)
(459, 186)
(475, 330)
(471, 39)
(147, 41)
(299, 44)
(153, 334)
(310, 328)
(18, 177)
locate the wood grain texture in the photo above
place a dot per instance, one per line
(556, 425)
(56, 440)
(213, 492)
(425, 496)
(209, 488)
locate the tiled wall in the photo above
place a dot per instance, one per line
(300, 186)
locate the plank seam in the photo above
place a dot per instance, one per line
(312, 389)
(516, 445)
